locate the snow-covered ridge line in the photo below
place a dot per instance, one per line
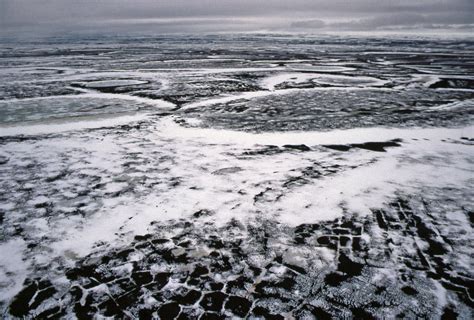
(342, 136)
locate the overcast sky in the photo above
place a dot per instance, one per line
(235, 15)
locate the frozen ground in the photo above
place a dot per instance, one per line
(236, 176)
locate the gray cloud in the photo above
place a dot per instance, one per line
(309, 24)
(227, 15)
(391, 22)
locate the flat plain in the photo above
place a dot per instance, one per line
(250, 176)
